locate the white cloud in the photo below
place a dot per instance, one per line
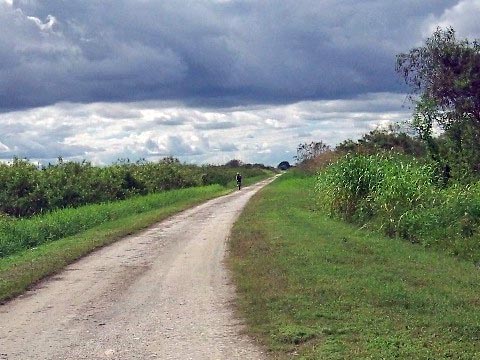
(212, 125)
(103, 133)
(3, 148)
(463, 17)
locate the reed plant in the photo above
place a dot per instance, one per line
(403, 196)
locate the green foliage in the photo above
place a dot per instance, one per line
(20, 270)
(25, 233)
(392, 138)
(445, 72)
(225, 175)
(444, 76)
(404, 197)
(26, 190)
(20, 189)
(39, 205)
(375, 185)
(450, 222)
(284, 165)
(313, 287)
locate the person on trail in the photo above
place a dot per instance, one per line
(239, 180)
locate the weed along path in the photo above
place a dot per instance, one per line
(161, 294)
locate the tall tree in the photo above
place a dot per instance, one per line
(444, 78)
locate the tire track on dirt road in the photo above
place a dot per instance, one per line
(160, 294)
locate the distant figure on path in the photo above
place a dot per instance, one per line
(239, 180)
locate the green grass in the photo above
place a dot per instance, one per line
(404, 197)
(21, 270)
(312, 287)
(80, 231)
(24, 233)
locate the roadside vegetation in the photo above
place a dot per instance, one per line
(43, 204)
(404, 197)
(371, 249)
(405, 180)
(32, 247)
(312, 286)
(43, 245)
(27, 189)
(20, 234)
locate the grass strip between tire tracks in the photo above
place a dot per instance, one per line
(312, 287)
(19, 271)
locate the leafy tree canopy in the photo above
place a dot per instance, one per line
(284, 165)
(445, 73)
(444, 78)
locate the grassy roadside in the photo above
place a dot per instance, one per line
(24, 268)
(315, 288)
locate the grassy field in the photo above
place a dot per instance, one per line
(40, 246)
(312, 287)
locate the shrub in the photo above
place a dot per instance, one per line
(26, 189)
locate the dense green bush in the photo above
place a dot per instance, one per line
(26, 189)
(403, 197)
(451, 221)
(20, 189)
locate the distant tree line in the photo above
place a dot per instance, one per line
(27, 189)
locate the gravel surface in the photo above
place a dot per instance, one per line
(160, 294)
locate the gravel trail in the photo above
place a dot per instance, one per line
(160, 294)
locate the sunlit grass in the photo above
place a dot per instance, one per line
(43, 245)
(312, 287)
(404, 197)
(24, 233)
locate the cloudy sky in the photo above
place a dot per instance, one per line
(207, 80)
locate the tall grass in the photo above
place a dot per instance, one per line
(24, 233)
(451, 221)
(403, 197)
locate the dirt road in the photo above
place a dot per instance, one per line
(162, 294)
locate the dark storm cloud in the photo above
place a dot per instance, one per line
(209, 53)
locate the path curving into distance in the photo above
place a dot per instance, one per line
(160, 294)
